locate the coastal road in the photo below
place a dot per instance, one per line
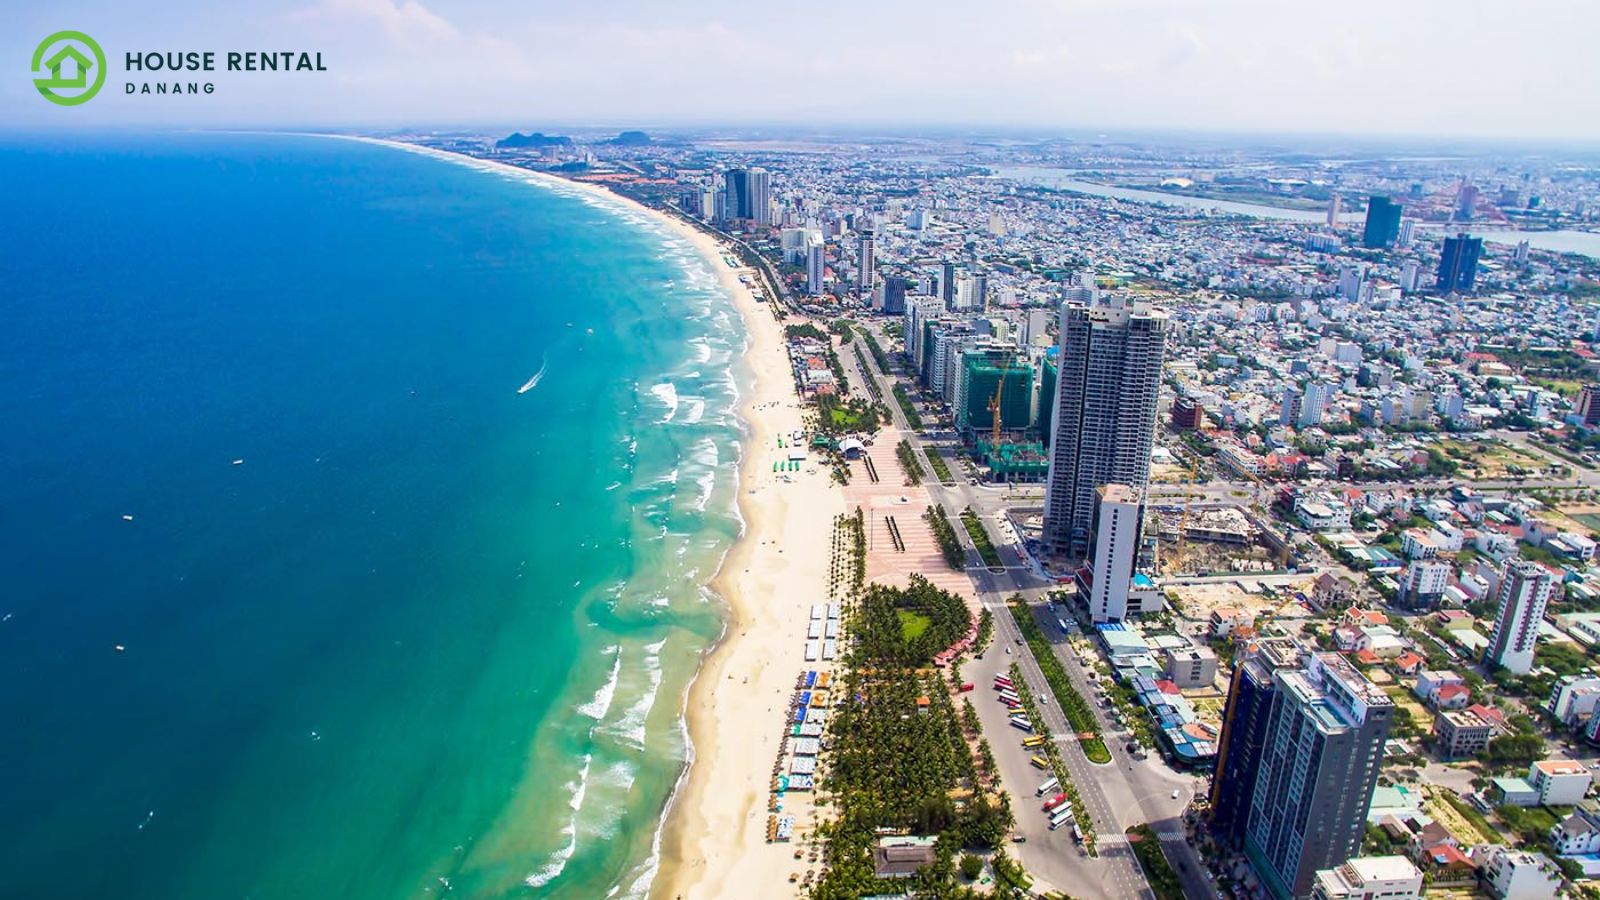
(1125, 792)
(1118, 870)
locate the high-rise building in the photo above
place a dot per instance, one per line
(1289, 409)
(1410, 276)
(982, 371)
(1108, 385)
(895, 289)
(1466, 202)
(866, 261)
(1408, 231)
(1320, 755)
(1314, 404)
(1589, 406)
(749, 195)
(1458, 264)
(1525, 589)
(1333, 211)
(947, 284)
(760, 211)
(1383, 223)
(816, 264)
(1244, 730)
(1112, 582)
(1048, 378)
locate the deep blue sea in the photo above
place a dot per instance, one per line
(390, 625)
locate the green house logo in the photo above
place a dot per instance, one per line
(63, 66)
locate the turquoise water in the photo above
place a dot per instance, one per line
(430, 635)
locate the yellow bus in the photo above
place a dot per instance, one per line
(1035, 741)
(1040, 762)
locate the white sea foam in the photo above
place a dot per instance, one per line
(667, 393)
(613, 485)
(558, 860)
(707, 482)
(705, 452)
(630, 726)
(601, 704)
(697, 410)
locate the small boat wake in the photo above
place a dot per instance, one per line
(537, 377)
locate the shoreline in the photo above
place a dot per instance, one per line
(706, 839)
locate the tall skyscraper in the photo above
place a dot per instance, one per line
(1333, 211)
(1458, 264)
(1408, 230)
(749, 195)
(1383, 223)
(866, 261)
(760, 211)
(1105, 415)
(1525, 589)
(947, 283)
(816, 264)
(1244, 731)
(1320, 752)
(894, 295)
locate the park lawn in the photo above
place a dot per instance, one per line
(844, 420)
(912, 624)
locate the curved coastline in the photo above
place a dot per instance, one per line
(693, 849)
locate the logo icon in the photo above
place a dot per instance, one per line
(66, 56)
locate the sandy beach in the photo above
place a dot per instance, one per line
(714, 843)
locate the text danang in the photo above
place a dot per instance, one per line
(233, 61)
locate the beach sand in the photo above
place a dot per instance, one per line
(715, 839)
(713, 843)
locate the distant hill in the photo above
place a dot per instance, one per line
(518, 139)
(631, 139)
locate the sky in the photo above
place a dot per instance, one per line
(1507, 70)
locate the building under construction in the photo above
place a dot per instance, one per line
(994, 376)
(1013, 462)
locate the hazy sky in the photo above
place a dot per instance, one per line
(1439, 67)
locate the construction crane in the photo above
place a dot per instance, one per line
(994, 410)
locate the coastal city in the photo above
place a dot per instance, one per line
(1193, 519)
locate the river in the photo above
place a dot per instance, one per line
(1586, 243)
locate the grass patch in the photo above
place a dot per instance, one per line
(1146, 846)
(906, 406)
(980, 538)
(912, 624)
(1080, 715)
(940, 470)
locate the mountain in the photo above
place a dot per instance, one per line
(631, 139)
(536, 140)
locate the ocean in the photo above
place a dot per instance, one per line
(356, 508)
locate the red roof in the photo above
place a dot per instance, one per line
(1451, 691)
(1367, 657)
(1409, 660)
(1448, 855)
(1168, 687)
